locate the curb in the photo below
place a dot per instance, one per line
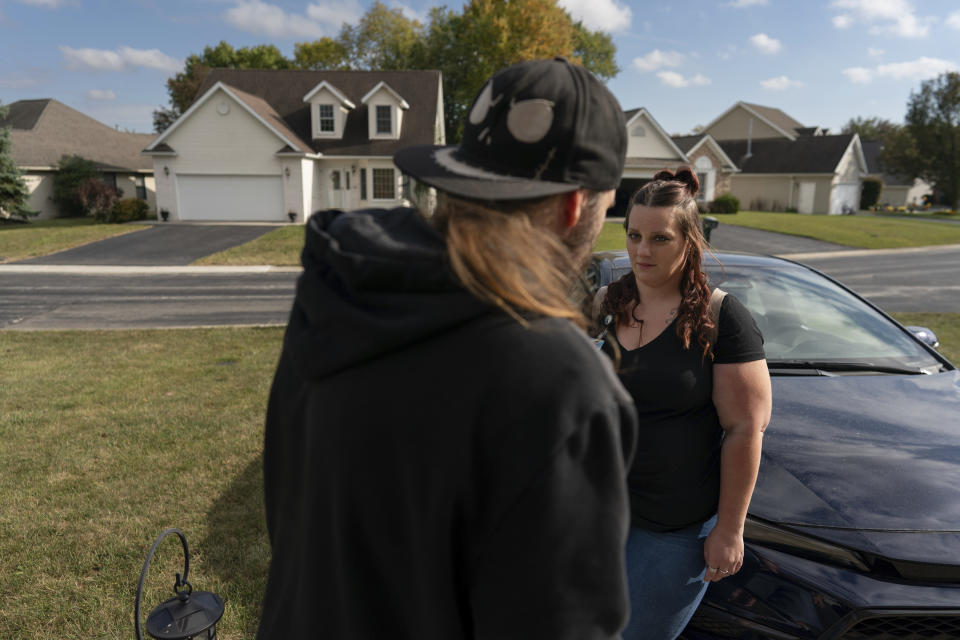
(119, 270)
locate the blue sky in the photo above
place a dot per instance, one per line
(821, 61)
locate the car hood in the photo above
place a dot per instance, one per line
(863, 452)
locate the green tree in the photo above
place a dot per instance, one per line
(383, 39)
(325, 53)
(873, 128)
(72, 173)
(183, 87)
(13, 190)
(928, 147)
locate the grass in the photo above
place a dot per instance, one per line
(43, 237)
(280, 247)
(865, 232)
(945, 325)
(109, 438)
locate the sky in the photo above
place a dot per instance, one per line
(821, 61)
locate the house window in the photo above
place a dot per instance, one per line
(326, 117)
(335, 179)
(384, 120)
(110, 179)
(638, 131)
(346, 175)
(384, 185)
(141, 186)
(363, 184)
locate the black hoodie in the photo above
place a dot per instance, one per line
(434, 470)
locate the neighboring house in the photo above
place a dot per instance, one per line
(649, 150)
(43, 131)
(786, 166)
(898, 190)
(713, 167)
(268, 145)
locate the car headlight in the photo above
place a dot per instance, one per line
(769, 535)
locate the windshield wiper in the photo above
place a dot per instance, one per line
(829, 366)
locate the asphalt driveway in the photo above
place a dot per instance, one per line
(157, 245)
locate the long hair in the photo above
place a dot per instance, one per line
(504, 253)
(677, 191)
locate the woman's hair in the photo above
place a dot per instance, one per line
(502, 252)
(678, 192)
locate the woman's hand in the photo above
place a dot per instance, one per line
(723, 553)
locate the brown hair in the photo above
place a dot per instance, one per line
(502, 252)
(677, 191)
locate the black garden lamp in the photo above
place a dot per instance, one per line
(187, 615)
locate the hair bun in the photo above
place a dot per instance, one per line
(689, 178)
(665, 175)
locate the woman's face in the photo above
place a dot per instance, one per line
(656, 246)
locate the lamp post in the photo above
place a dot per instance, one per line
(187, 615)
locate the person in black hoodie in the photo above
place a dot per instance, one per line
(446, 451)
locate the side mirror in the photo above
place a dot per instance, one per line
(925, 335)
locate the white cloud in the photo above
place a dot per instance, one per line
(657, 59)
(674, 79)
(602, 15)
(896, 17)
(262, 18)
(123, 59)
(859, 75)
(953, 20)
(842, 21)
(765, 43)
(874, 53)
(780, 83)
(741, 4)
(101, 94)
(920, 69)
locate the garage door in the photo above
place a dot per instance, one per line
(845, 196)
(233, 198)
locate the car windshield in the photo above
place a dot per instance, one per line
(808, 320)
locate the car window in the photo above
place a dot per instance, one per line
(804, 316)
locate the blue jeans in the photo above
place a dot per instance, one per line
(665, 574)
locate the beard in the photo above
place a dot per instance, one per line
(580, 238)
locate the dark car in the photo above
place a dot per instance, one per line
(854, 527)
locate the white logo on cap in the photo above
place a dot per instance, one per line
(530, 120)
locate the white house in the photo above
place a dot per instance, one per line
(277, 145)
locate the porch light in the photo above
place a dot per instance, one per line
(292, 215)
(188, 615)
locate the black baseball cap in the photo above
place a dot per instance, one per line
(536, 129)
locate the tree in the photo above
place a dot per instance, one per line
(72, 173)
(13, 190)
(325, 53)
(873, 128)
(183, 86)
(97, 198)
(929, 145)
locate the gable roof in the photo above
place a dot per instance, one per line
(871, 153)
(776, 118)
(277, 97)
(810, 154)
(635, 114)
(43, 131)
(689, 144)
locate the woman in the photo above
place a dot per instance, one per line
(703, 396)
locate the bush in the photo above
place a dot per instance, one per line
(870, 195)
(96, 197)
(73, 171)
(126, 210)
(725, 203)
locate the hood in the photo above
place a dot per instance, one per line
(374, 281)
(864, 452)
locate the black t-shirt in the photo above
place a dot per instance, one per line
(675, 477)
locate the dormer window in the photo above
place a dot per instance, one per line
(327, 122)
(385, 109)
(384, 119)
(328, 110)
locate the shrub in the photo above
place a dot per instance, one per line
(127, 210)
(96, 198)
(725, 203)
(72, 172)
(870, 194)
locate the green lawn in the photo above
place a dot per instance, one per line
(43, 237)
(865, 232)
(280, 247)
(109, 438)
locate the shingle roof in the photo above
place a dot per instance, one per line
(43, 131)
(685, 143)
(777, 117)
(814, 154)
(871, 153)
(279, 94)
